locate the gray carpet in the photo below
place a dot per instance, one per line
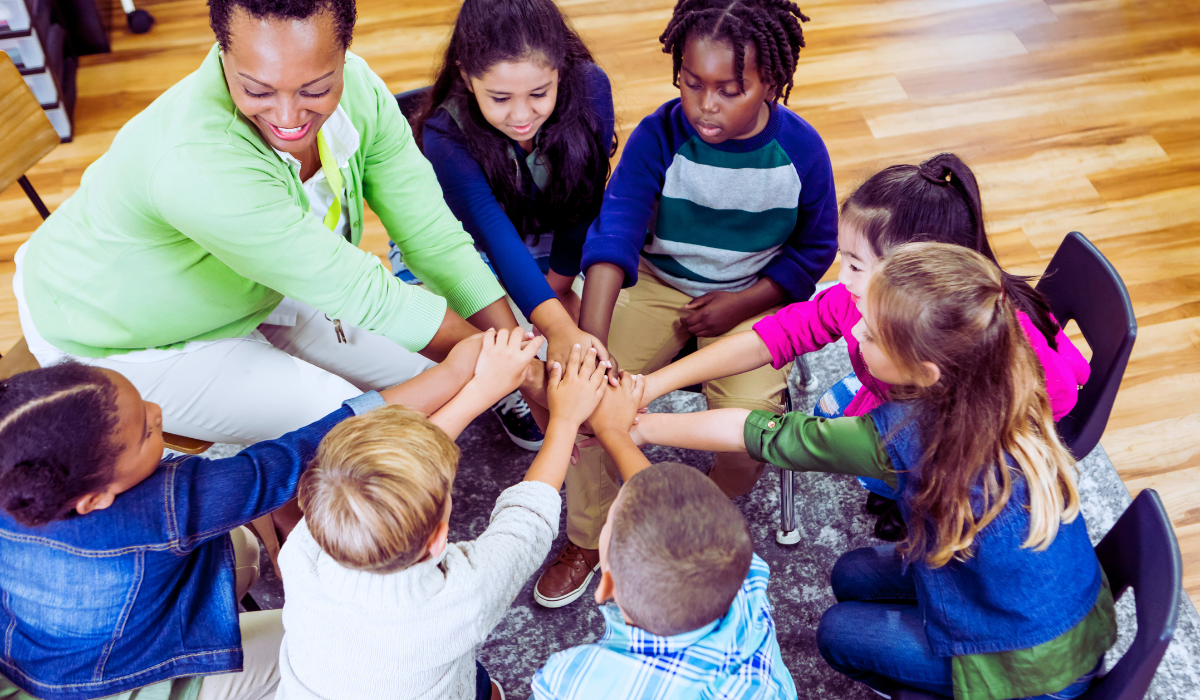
(831, 520)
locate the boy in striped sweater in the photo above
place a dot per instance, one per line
(721, 210)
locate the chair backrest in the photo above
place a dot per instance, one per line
(411, 101)
(1080, 284)
(25, 130)
(1141, 552)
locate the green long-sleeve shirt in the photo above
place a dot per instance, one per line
(192, 228)
(853, 446)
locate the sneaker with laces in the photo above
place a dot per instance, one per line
(567, 578)
(518, 422)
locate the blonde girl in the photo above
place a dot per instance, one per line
(996, 573)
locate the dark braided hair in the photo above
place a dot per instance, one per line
(343, 12)
(57, 440)
(772, 26)
(488, 32)
(939, 201)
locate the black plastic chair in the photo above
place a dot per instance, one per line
(410, 101)
(1139, 552)
(1080, 284)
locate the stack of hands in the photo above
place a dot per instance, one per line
(567, 399)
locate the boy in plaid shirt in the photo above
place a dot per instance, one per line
(692, 617)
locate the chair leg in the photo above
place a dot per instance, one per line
(33, 197)
(787, 532)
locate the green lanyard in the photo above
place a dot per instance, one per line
(334, 177)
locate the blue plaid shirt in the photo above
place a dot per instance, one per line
(734, 658)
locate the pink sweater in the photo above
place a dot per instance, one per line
(808, 326)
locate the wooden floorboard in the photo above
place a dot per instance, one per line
(1075, 114)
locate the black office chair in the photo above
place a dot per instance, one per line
(1081, 284)
(411, 101)
(1139, 552)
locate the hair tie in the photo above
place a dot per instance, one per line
(933, 178)
(1001, 299)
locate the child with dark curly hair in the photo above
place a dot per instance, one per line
(721, 210)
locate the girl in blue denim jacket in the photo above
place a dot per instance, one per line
(117, 567)
(996, 592)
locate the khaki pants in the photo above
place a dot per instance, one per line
(262, 633)
(646, 334)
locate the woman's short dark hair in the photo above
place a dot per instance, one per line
(343, 12)
(57, 440)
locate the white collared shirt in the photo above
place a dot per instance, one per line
(342, 139)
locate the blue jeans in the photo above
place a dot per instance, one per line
(483, 683)
(875, 634)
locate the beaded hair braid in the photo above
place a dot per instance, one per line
(773, 26)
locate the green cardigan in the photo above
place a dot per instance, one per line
(191, 227)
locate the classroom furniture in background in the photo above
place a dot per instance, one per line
(1080, 284)
(34, 38)
(1139, 552)
(412, 100)
(26, 131)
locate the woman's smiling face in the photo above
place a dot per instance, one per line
(285, 76)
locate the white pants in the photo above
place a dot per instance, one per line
(262, 633)
(277, 379)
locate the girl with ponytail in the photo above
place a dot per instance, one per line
(995, 593)
(936, 201)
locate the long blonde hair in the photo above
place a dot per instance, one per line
(941, 303)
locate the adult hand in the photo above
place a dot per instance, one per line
(714, 314)
(564, 336)
(575, 389)
(503, 362)
(463, 357)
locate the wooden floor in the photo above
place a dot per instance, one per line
(1075, 114)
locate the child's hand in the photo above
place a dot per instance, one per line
(503, 362)
(620, 405)
(714, 314)
(576, 390)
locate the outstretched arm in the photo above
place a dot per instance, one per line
(500, 368)
(735, 354)
(718, 430)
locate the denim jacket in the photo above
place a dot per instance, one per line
(143, 590)
(1005, 596)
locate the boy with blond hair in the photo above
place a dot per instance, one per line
(691, 617)
(378, 604)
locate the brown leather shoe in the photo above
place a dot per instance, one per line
(567, 578)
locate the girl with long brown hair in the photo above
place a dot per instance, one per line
(996, 573)
(938, 200)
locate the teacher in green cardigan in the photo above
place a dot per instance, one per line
(211, 255)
